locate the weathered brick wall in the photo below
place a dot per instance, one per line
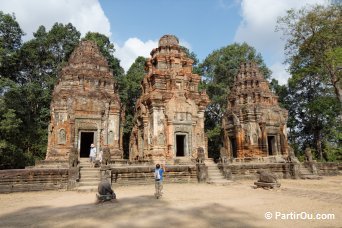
(135, 175)
(329, 168)
(248, 170)
(23, 180)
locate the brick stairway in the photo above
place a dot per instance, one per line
(214, 174)
(89, 176)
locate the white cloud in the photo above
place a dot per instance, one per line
(85, 15)
(131, 49)
(134, 47)
(280, 73)
(185, 43)
(257, 28)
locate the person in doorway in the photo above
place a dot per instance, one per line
(92, 155)
(158, 176)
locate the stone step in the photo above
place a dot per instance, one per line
(215, 174)
(84, 176)
(89, 179)
(89, 174)
(213, 170)
(89, 183)
(85, 166)
(87, 189)
(216, 178)
(220, 182)
(212, 166)
(89, 169)
(209, 163)
(305, 173)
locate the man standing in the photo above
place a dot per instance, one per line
(158, 176)
(92, 155)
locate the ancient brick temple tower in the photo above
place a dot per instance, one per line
(254, 124)
(169, 120)
(85, 106)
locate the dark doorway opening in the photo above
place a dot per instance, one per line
(271, 145)
(87, 138)
(233, 146)
(180, 145)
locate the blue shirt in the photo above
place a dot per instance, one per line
(161, 171)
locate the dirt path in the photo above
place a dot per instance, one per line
(183, 205)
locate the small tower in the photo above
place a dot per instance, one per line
(169, 120)
(254, 125)
(85, 106)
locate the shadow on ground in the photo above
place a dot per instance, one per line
(141, 211)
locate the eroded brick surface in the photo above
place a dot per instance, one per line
(85, 99)
(254, 124)
(170, 112)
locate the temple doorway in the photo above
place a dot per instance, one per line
(180, 145)
(233, 146)
(271, 145)
(87, 138)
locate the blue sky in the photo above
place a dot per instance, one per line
(204, 25)
(135, 26)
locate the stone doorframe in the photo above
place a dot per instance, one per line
(96, 139)
(186, 144)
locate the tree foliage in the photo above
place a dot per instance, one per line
(218, 72)
(130, 91)
(313, 111)
(313, 97)
(10, 42)
(193, 56)
(107, 49)
(314, 44)
(28, 73)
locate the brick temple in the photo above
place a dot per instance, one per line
(85, 106)
(254, 124)
(169, 121)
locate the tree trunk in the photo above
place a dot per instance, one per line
(318, 143)
(335, 80)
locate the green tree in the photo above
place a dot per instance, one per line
(26, 97)
(10, 42)
(218, 71)
(313, 111)
(314, 44)
(130, 91)
(281, 91)
(314, 53)
(11, 154)
(193, 56)
(107, 49)
(42, 57)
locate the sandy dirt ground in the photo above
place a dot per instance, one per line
(182, 205)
